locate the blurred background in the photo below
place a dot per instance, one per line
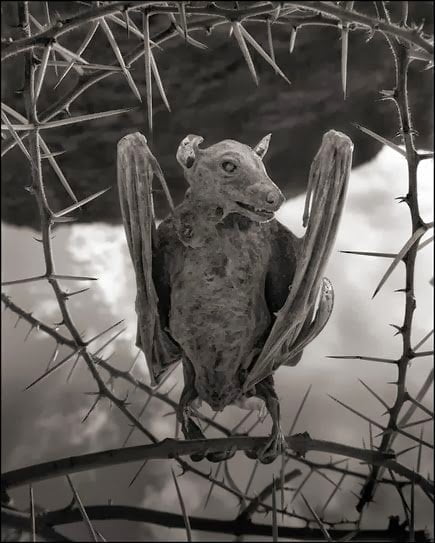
(212, 94)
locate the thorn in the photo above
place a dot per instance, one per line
(72, 277)
(104, 331)
(355, 412)
(73, 368)
(245, 51)
(183, 18)
(262, 53)
(138, 472)
(30, 331)
(53, 356)
(127, 22)
(93, 406)
(58, 217)
(293, 33)
(344, 56)
(400, 256)
(359, 357)
(270, 41)
(371, 253)
(407, 450)
(57, 325)
(370, 34)
(381, 139)
(54, 368)
(18, 320)
(124, 402)
(82, 509)
(76, 292)
(399, 329)
(389, 94)
(374, 394)
(418, 29)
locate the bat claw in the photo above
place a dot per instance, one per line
(192, 431)
(197, 457)
(275, 446)
(221, 456)
(252, 454)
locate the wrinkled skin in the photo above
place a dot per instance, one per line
(213, 280)
(229, 266)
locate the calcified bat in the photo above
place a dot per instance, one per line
(221, 284)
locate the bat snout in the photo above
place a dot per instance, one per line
(264, 194)
(274, 199)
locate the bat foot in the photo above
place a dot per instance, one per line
(275, 446)
(252, 454)
(197, 457)
(221, 456)
(192, 431)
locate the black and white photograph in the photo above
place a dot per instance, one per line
(217, 271)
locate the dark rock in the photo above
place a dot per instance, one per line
(212, 94)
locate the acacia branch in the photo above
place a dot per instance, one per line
(379, 25)
(172, 448)
(265, 493)
(45, 214)
(61, 27)
(89, 80)
(36, 323)
(402, 60)
(10, 518)
(236, 527)
(127, 376)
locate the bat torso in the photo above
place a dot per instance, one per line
(218, 313)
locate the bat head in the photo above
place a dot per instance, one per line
(231, 175)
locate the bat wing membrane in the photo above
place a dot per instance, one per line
(136, 168)
(298, 322)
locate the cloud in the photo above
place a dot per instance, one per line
(46, 420)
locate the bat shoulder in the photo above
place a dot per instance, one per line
(285, 249)
(284, 243)
(167, 237)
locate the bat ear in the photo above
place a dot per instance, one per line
(187, 151)
(261, 148)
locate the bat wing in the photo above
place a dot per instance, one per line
(299, 320)
(136, 168)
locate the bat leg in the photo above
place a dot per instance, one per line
(189, 428)
(276, 443)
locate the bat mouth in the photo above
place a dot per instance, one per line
(258, 211)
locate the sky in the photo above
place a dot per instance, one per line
(45, 422)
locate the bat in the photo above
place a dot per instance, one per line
(222, 285)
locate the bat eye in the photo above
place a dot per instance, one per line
(228, 166)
